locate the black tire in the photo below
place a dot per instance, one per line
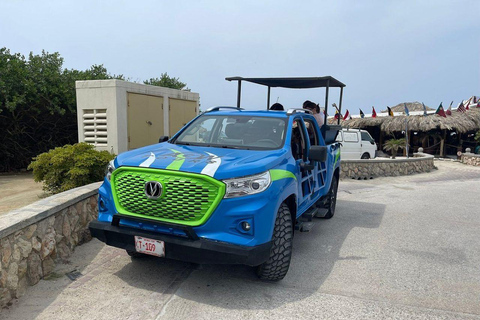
(331, 202)
(135, 254)
(366, 155)
(276, 267)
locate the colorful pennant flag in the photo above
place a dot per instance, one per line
(362, 115)
(406, 109)
(449, 110)
(467, 104)
(337, 115)
(347, 114)
(461, 107)
(374, 114)
(390, 112)
(440, 111)
(424, 109)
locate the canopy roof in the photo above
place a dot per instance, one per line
(293, 83)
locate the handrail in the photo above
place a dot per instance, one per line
(223, 107)
(295, 110)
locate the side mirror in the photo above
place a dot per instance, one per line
(318, 153)
(372, 142)
(163, 139)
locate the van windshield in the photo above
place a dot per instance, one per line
(235, 131)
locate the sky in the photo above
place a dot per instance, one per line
(386, 52)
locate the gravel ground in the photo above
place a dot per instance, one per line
(18, 190)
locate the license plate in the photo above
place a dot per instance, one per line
(150, 246)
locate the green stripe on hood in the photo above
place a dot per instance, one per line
(177, 163)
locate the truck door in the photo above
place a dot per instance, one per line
(320, 169)
(305, 178)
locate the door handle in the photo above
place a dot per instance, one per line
(149, 123)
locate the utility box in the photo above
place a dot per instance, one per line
(117, 115)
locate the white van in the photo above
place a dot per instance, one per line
(356, 144)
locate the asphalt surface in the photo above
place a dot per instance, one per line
(403, 248)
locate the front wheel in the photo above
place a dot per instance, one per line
(366, 155)
(331, 198)
(276, 267)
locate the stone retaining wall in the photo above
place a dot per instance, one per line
(37, 236)
(370, 168)
(471, 159)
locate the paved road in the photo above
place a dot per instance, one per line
(405, 247)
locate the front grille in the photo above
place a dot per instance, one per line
(187, 198)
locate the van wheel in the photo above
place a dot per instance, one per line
(331, 202)
(366, 155)
(276, 267)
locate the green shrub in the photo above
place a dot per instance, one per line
(70, 166)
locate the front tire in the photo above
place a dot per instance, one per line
(331, 202)
(366, 155)
(276, 267)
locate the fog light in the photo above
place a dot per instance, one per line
(246, 226)
(102, 205)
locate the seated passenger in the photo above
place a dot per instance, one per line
(315, 109)
(277, 107)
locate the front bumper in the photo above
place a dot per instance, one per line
(181, 248)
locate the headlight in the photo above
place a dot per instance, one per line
(247, 185)
(109, 170)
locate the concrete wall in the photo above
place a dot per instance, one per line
(34, 238)
(367, 169)
(471, 159)
(111, 95)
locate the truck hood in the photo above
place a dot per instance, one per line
(220, 163)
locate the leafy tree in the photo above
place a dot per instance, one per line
(168, 82)
(394, 144)
(37, 105)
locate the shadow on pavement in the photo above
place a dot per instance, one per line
(237, 287)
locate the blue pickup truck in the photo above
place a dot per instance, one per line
(232, 186)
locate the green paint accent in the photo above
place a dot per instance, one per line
(277, 174)
(337, 156)
(188, 198)
(177, 163)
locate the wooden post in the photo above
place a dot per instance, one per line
(442, 143)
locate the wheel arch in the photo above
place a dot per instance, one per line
(291, 202)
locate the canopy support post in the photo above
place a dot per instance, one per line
(268, 98)
(239, 93)
(326, 101)
(340, 105)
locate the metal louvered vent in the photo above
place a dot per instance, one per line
(95, 126)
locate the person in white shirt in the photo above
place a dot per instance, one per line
(315, 110)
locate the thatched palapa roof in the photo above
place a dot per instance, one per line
(458, 121)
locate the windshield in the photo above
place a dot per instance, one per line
(234, 131)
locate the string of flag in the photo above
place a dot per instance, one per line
(463, 106)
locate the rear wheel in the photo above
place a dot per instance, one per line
(366, 155)
(276, 267)
(331, 202)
